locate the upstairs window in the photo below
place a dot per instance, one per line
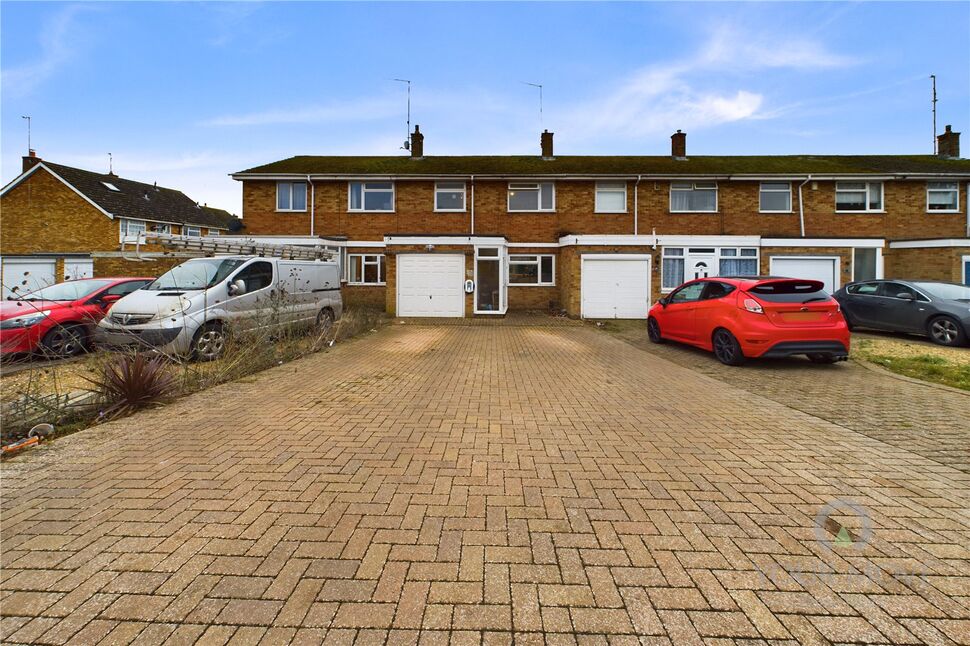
(371, 196)
(532, 270)
(864, 197)
(943, 197)
(693, 197)
(532, 196)
(365, 269)
(775, 197)
(130, 228)
(611, 197)
(158, 227)
(195, 232)
(291, 196)
(449, 196)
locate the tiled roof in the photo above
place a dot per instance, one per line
(139, 200)
(618, 165)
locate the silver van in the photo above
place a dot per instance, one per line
(189, 310)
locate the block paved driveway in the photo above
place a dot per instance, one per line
(484, 484)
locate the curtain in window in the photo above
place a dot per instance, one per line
(738, 267)
(673, 272)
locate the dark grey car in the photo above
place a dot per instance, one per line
(938, 310)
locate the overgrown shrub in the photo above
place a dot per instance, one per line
(133, 381)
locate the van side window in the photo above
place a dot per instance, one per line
(256, 276)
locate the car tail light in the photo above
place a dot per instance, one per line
(750, 304)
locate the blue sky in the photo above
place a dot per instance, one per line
(185, 93)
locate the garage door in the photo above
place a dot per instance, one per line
(75, 268)
(617, 287)
(430, 285)
(823, 269)
(23, 275)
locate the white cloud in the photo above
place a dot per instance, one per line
(59, 40)
(729, 47)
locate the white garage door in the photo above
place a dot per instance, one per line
(23, 275)
(617, 287)
(823, 269)
(75, 268)
(430, 285)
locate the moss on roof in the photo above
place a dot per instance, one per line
(618, 165)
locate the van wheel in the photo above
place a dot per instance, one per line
(64, 341)
(325, 321)
(209, 342)
(946, 331)
(653, 331)
(727, 349)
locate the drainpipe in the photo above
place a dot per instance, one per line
(312, 202)
(636, 210)
(801, 205)
(473, 204)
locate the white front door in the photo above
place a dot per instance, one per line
(24, 275)
(431, 285)
(825, 269)
(615, 287)
(701, 263)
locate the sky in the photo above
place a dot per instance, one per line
(186, 93)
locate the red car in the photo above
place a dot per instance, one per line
(744, 317)
(59, 319)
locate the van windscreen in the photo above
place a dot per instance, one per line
(195, 274)
(790, 291)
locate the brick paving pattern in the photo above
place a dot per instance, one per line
(485, 484)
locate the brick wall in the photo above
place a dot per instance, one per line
(738, 205)
(926, 264)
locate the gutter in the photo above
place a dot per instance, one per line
(801, 205)
(312, 202)
(472, 207)
(636, 210)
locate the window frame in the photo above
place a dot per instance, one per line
(525, 186)
(761, 189)
(123, 231)
(600, 187)
(682, 256)
(464, 196)
(188, 227)
(956, 189)
(693, 183)
(379, 259)
(290, 184)
(363, 195)
(537, 263)
(867, 183)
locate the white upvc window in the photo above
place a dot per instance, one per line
(693, 197)
(532, 196)
(610, 197)
(195, 232)
(775, 197)
(671, 268)
(532, 269)
(365, 269)
(943, 197)
(738, 261)
(213, 232)
(130, 228)
(159, 227)
(291, 196)
(858, 197)
(371, 196)
(449, 197)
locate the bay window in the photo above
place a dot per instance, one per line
(611, 197)
(865, 197)
(775, 197)
(449, 196)
(291, 196)
(532, 270)
(371, 196)
(365, 269)
(943, 197)
(693, 197)
(532, 196)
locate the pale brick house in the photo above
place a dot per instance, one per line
(60, 222)
(604, 236)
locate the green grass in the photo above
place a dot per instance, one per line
(927, 367)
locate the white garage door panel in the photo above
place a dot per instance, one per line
(75, 268)
(823, 269)
(615, 288)
(24, 275)
(430, 285)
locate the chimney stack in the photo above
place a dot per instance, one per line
(678, 145)
(31, 160)
(417, 143)
(948, 144)
(545, 141)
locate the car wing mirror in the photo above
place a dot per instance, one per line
(237, 287)
(108, 299)
(664, 301)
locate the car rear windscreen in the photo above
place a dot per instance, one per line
(790, 291)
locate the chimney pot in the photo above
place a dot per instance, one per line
(417, 143)
(678, 145)
(948, 144)
(545, 142)
(30, 160)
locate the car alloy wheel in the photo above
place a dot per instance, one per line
(210, 343)
(64, 341)
(945, 331)
(653, 331)
(727, 349)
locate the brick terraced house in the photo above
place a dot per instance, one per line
(60, 222)
(602, 237)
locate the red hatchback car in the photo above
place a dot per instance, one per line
(59, 319)
(745, 317)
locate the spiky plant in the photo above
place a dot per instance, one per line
(131, 382)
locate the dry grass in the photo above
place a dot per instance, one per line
(917, 359)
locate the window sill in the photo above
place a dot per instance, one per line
(363, 211)
(860, 212)
(450, 211)
(532, 284)
(776, 212)
(611, 212)
(350, 284)
(941, 212)
(538, 211)
(291, 210)
(692, 212)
